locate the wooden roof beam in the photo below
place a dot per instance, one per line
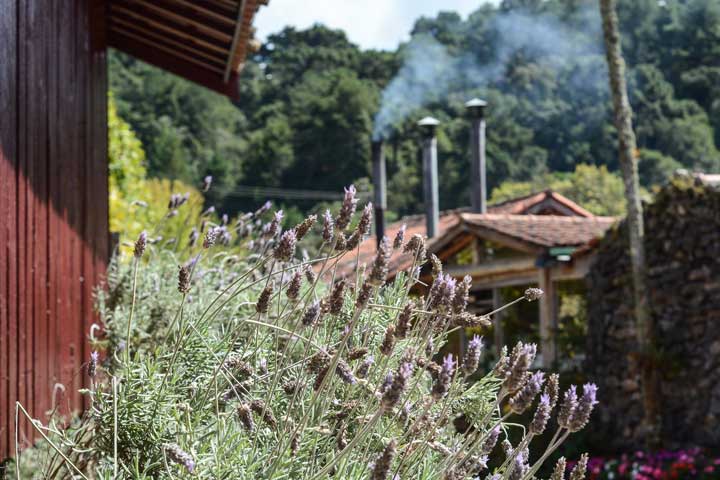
(121, 25)
(189, 71)
(154, 21)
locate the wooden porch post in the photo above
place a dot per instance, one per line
(548, 318)
(498, 333)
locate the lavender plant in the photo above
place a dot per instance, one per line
(232, 358)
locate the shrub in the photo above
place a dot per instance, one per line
(232, 358)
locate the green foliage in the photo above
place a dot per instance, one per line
(136, 201)
(594, 188)
(308, 99)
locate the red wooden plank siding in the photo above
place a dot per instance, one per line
(8, 256)
(53, 201)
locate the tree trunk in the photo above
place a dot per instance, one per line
(628, 165)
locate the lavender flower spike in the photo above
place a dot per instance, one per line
(568, 407)
(578, 473)
(392, 394)
(285, 248)
(542, 415)
(382, 464)
(207, 182)
(489, 443)
(442, 384)
(140, 244)
(472, 357)
(559, 470)
(581, 415)
(328, 226)
(92, 366)
(399, 237)
(179, 456)
(523, 398)
(348, 208)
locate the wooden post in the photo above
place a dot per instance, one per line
(498, 333)
(548, 318)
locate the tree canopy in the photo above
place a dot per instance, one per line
(309, 99)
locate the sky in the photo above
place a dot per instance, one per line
(379, 24)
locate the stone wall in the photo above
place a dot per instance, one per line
(683, 254)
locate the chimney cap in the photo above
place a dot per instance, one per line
(428, 126)
(476, 107)
(429, 122)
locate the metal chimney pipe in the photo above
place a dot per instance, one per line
(478, 168)
(428, 125)
(379, 187)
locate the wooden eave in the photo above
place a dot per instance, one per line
(204, 41)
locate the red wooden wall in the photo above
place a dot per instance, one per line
(53, 201)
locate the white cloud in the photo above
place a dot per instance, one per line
(380, 24)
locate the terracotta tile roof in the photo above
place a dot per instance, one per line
(536, 202)
(542, 230)
(529, 231)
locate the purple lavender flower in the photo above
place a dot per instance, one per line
(348, 208)
(442, 384)
(224, 219)
(312, 314)
(542, 415)
(328, 226)
(263, 302)
(365, 219)
(207, 182)
(209, 211)
(404, 323)
(140, 244)
(490, 441)
(380, 265)
(388, 343)
(303, 228)
(532, 294)
(416, 245)
(399, 237)
(392, 394)
(273, 228)
(179, 456)
(552, 389)
(383, 463)
(581, 415)
(364, 296)
(337, 297)
(293, 289)
(559, 470)
(523, 398)
(578, 472)
(92, 366)
(364, 367)
(442, 292)
(519, 362)
(211, 237)
(472, 356)
(263, 208)
(245, 415)
(462, 293)
(568, 407)
(285, 248)
(184, 279)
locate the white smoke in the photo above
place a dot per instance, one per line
(429, 72)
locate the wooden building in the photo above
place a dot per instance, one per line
(537, 240)
(54, 242)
